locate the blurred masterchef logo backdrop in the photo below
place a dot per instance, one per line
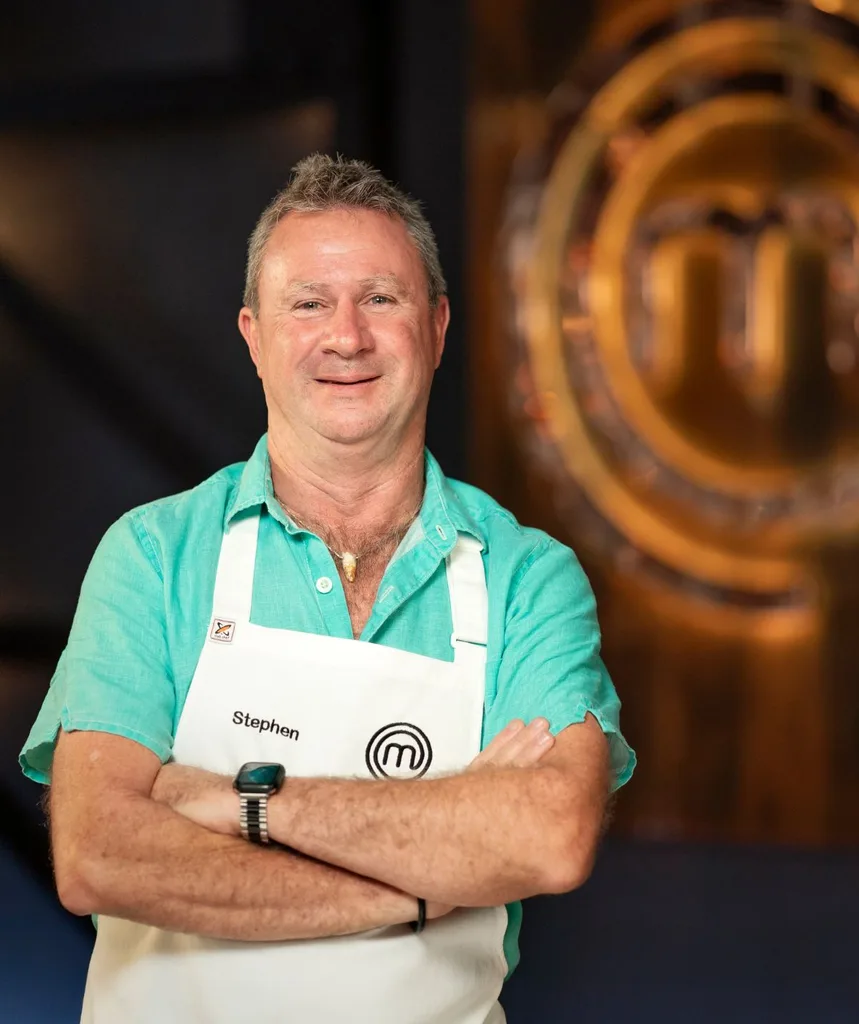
(667, 286)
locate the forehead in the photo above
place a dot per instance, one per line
(340, 245)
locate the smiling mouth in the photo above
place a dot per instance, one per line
(345, 383)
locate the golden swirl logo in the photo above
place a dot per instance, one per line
(682, 259)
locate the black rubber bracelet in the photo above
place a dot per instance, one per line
(418, 926)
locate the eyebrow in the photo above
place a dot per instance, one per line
(297, 287)
(389, 282)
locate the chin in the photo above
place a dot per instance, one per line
(348, 433)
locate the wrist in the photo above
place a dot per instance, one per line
(230, 810)
(403, 908)
(282, 811)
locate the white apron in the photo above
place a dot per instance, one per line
(321, 706)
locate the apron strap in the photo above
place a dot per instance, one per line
(234, 583)
(469, 604)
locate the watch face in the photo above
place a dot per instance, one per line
(260, 777)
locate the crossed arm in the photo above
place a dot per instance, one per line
(160, 846)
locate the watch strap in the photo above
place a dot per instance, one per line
(253, 817)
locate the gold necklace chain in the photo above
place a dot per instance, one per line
(349, 559)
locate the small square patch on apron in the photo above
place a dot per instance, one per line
(222, 630)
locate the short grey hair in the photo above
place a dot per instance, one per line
(320, 183)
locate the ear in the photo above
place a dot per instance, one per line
(441, 319)
(249, 326)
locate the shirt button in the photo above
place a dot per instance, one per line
(324, 585)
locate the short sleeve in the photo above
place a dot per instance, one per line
(114, 675)
(550, 664)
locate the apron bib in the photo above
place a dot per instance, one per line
(321, 706)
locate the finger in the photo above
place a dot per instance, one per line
(524, 748)
(497, 744)
(532, 752)
(522, 744)
(509, 732)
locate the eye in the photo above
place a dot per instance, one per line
(311, 305)
(380, 300)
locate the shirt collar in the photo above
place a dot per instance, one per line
(442, 514)
(254, 488)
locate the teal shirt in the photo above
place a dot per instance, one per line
(146, 603)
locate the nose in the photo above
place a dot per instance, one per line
(348, 334)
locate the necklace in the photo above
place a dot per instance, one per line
(349, 559)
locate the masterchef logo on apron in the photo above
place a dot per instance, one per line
(399, 751)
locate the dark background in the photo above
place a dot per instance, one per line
(138, 144)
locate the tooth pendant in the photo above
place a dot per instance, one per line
(350, 566)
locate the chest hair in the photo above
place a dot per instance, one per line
(361, 594)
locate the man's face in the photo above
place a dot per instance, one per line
(345, 341)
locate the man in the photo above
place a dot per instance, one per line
(336, 608)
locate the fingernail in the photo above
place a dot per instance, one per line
(539, 723)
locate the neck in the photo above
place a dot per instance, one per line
(352, 492)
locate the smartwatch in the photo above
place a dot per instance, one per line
(255, 782)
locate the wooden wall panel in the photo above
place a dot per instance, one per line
(728, 599)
